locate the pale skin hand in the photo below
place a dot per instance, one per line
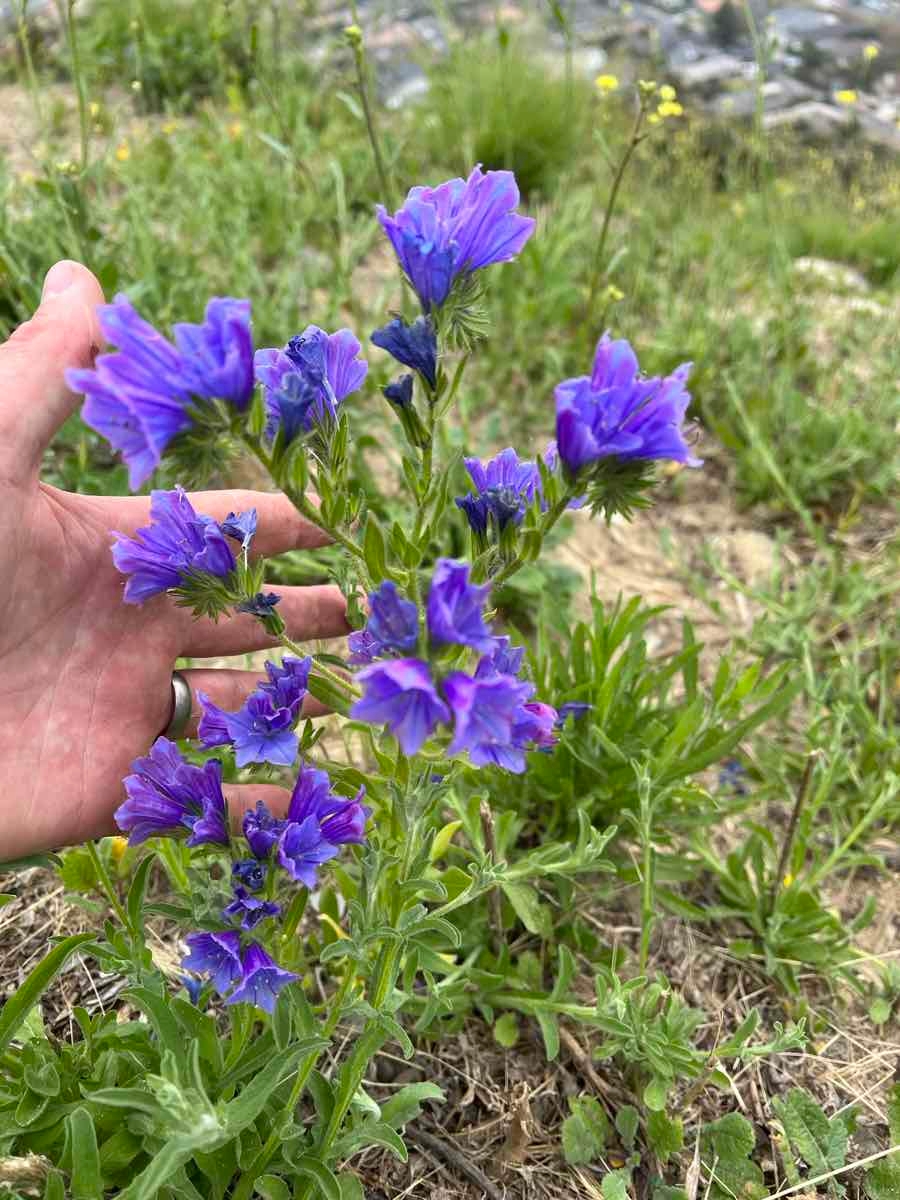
(85, 680)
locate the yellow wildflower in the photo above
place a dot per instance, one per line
(123, 152)
(670, 108)
(169, 127)
(94, 108)
(627, 9)
(870, 52)
(614, 294)
(654, 118)
(117, 847)
(667, 92)
(788, 880)
(235, 129)
(846, 96)
(606, 83)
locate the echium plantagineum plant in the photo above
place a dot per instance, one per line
(430, 685)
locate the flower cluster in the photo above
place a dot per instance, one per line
(140, 398)
(170, 797)
(462, 226)
(178, 545)
(614, 412)
(504, 488)
(305, 382)
(262, 730)
(490, 711)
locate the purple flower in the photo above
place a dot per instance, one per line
(261, 830)
(399, 393)
(455, 609)
(137, 398)
(218, 355)
(614, 412)
(504, 659)
(216, 954)
(485, 713)
(261, 979)
(167, 795)
(241, 526)
(393, 621)
(305, 382)
(413, 345)
(249, 909)
(250, 873)
(401, 694)
(363, 647)
(535, 724)
(302, 848)
(504, 488)
(262, 730)
(259, 731)
(341, 819)
(177, 544)
(455, 229)
(573, 708)
(261, 605)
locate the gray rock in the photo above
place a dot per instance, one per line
(819, 121)
(710, 74)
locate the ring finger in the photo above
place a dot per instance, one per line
(229, 689)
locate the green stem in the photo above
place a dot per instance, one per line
(359, 57)
(647, 913)
(301, 503)
(83, 126)
(550, 517)
(107, 886)
(633, 143)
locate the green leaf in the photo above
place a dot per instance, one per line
(77, 872)
(893, 1113)
(585, 1132)
(731, 1136)
(158, 1011)
(655, 1094)
(118, 1152)
(614, 1184)
(822, 1144)
(326, 1179)
(351, 1188)
(374, 550)
(18, 1006)
(244, 1110)
(406, 1104)
(506, 1030)
(442, 840)
(86, 1182)
(55, 1188)
(880, 1010)
(282, 1021)
(665, 1135)
(549, 1026)
(166, 1163)
(882, 1179)
(135, 901)
(627, 1121)
(528, 908)
(271, 1187)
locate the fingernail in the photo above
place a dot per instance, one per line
(60, 277)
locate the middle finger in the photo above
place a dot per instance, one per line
(309, 613)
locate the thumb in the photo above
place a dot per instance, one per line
(34, 399)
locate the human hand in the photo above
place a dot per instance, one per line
(85, 680)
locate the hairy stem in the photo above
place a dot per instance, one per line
(107, 886)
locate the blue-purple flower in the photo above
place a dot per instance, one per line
(504, 488)
(401, 694)
(399, 393)
(261, 979)
(341, 819)
(241, 526)
(393, 621)
(216, 955)
(262, 605)
(139, 397)
(261, 830)
(305, 382)
(177, 545)
(302, 848)
(218, 355)
(455, 229)
(485, 713)
(413, 345)
(576, 709)
(455, 608)
(249, 873)
(248, 910)
(167, 796)
(503, 659)
(615, 413)
(262, 730)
